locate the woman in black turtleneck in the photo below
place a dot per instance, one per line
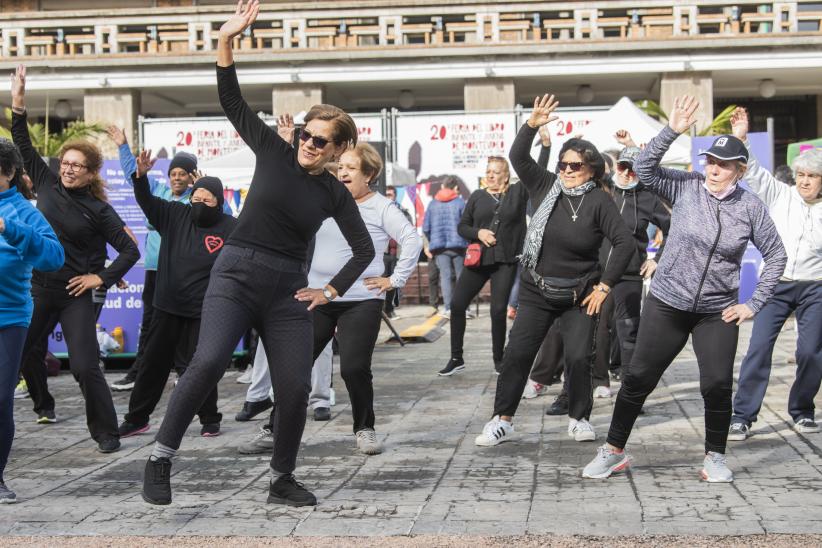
(260, 281)
(561, 276)
(74, 203)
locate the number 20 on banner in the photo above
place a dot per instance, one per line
(438, 133)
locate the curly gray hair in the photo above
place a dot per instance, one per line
(810, 161)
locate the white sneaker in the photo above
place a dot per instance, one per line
(534, 390)
(606, 463)
(446, 314)
(806, 426)
(602, 392)
(469, 314)
(245, 378)
(495, 432)
(582, 431)
(367, 442)
(715, 468)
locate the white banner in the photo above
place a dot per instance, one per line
(571, 123)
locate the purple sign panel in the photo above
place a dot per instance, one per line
(761, 147)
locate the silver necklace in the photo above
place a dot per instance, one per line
(575, 210)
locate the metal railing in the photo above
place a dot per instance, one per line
(348, 25)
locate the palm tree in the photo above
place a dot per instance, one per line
(48, 144)
(720, 125)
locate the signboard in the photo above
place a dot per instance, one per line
(571, 123)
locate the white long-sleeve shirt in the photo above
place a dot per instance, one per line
(798, 222)
(384, 222)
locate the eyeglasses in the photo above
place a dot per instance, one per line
(625, 166)
(575, 166)
(72, 166)
(319, 142)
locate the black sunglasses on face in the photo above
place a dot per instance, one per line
(319, 142)
(625, 166)
(575, 166)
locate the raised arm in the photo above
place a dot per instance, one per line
(37, 169)
(545, 147)
(759, 179)
(34, 239)
(158, 211)
(529, 172)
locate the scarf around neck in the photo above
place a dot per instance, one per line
(536, 229)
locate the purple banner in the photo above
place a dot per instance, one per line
(761, 147)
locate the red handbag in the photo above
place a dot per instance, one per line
(473, 255)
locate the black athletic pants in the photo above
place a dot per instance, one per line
(663, 332)
(170, 342)
(77, 318)
(249, 288)
(469, 284)
(534, 318)
(621, 310)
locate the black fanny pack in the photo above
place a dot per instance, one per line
(560, 292)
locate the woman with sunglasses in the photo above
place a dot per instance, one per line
(261, 271)
(74, 203)
(638, 207)
(695, 292)
(494, 217)
(561, 278)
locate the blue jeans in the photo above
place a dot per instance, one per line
(450, 263)
(11, 351)
(805, 299)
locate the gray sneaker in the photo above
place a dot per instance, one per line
(263, 442)
(806, 426)
(738, 432)
(715, 468)
(367, 442)
(606, 463)
(7, 496)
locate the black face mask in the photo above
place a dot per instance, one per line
(205, 215)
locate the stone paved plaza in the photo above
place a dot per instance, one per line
(431, 479)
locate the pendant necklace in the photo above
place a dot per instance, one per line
(574, 210)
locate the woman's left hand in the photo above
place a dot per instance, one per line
(738, 313)
(648, 268)
(378, 283)
(595, 299)
(80, 284)
(313, 296)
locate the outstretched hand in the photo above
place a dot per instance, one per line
(144, 162)
(740, 124)
(285, 127)
(683, 116)
(543, 111)
(18, 87)
(624, 138)
(117, 135)
(244, 16)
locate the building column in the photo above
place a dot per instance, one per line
(489, 94)
(698, 84)
(117, 107)
(295, 98)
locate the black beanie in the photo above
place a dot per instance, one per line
(183, 160)
(213, 185)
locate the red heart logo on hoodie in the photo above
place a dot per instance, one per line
(213, 243)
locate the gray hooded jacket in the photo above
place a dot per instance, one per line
(699, 271)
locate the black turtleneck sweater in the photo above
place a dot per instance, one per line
(286, 205)
(83, 223)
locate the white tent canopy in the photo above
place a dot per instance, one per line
(626, 115)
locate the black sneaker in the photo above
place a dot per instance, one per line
(46, 417)
(210, 430)
(127, 429)
(454, 365)
(287, 490)
(253, 408)
(559, 407)
(322, 414)
(108, 445)
(157, 481)
(126, 383)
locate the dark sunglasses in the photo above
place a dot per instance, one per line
(575, 166)
(625, 166)
(319, 142)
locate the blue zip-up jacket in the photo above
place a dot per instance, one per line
(703, 251)
(27, 242)
(441, 221)
(152, 249)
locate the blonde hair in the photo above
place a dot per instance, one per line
(370, 160)
(504, 163)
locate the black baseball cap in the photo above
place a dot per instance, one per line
(727, 147)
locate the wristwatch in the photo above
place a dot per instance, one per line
(603, 288)
(329, 296)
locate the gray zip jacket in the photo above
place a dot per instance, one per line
(699, 271)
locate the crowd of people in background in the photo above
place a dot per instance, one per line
(318, 255)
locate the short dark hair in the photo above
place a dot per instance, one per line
(11, 160)
(451, 182)
(590, 155)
